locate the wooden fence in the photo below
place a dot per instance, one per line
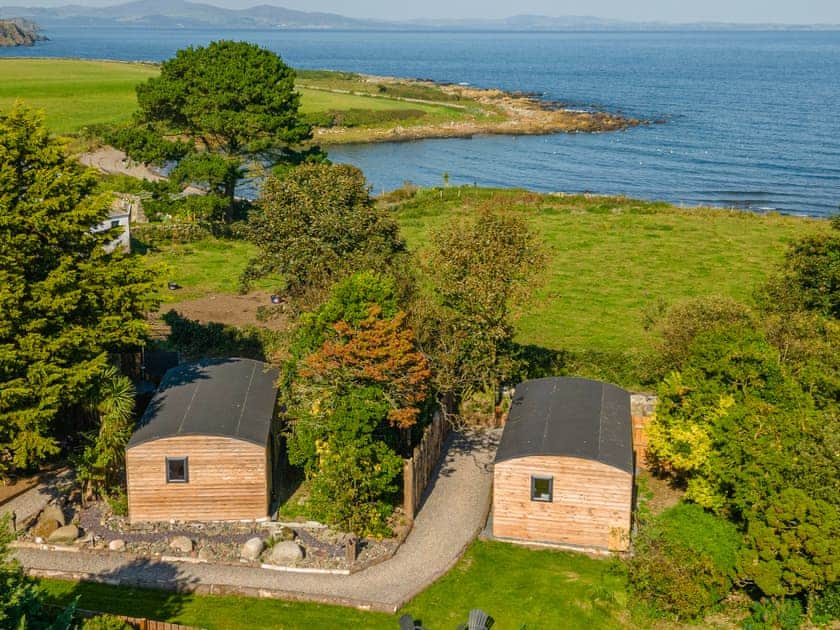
(418, 469)
(136, 622)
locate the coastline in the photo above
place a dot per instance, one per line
(384, 109)
(516, 114)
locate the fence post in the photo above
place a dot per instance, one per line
(408, 488)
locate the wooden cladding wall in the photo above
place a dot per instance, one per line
(590, 508)
(642, 408)
(228, 480)
(418, 469)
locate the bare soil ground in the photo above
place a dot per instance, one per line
(664, 495)
(226, 308)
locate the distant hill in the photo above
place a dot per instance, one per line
(181, 13)
(185, 14)
(19, 32)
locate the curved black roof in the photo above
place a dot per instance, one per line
(232, 398)
(569, 417)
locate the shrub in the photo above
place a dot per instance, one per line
(195, 340)
(370, 117)
(118, 502)
(152, 235)
(684, 561)
(685, 321)
(773, 614)
(825, 606)
(354, 484)
(105, 622)
(792, 544)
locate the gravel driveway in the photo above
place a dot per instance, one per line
(452, 513)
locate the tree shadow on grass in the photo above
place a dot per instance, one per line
(142, 588)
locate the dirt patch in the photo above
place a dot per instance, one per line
(663, 494)
(231, 309)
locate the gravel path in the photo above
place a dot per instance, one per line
(111, 160)
(31, 502)
(452, 513)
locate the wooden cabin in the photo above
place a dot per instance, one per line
(205, 448)
(564, 469)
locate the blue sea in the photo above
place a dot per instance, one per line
(752, 119)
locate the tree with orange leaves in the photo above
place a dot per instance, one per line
(355, 385)
(379, 352)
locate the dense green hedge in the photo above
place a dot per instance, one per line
(684, 561)
(156, 234)
(196, 340)
(362, 117)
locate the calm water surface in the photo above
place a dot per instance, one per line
(753, 119)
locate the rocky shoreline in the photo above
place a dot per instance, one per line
(518, 114)
(19, 32)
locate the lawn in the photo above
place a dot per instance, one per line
(558, 590)
(73, 93)
(203, 268)
(614, 262)
(76, 93)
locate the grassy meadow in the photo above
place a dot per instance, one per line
(614, 264)
(77, 93)
(73, 93)
(559, 590)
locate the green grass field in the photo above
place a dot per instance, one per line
(613, 262)
(76, 93)
(558, 590)
(202, 268)
(73, 93)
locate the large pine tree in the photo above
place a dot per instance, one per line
(65, 303)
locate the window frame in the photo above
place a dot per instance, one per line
(540, 498)
(186, 461)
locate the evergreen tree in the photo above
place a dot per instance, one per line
(65, 302)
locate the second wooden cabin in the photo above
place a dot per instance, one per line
(564, 470)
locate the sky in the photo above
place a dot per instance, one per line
(750, 11)
(783, 11)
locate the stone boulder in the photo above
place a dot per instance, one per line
(54, 513)
(182, 544)
(252, 549)
(285, 552)
(205, 553)
(66, 534)
(117, 545)
(44, 528)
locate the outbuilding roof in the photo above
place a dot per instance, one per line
(232, 398)
(569, 417)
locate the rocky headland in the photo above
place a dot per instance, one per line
(19, 32)
(512, 113)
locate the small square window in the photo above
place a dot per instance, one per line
(177, 470)
(115, 224)
(542, 488)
